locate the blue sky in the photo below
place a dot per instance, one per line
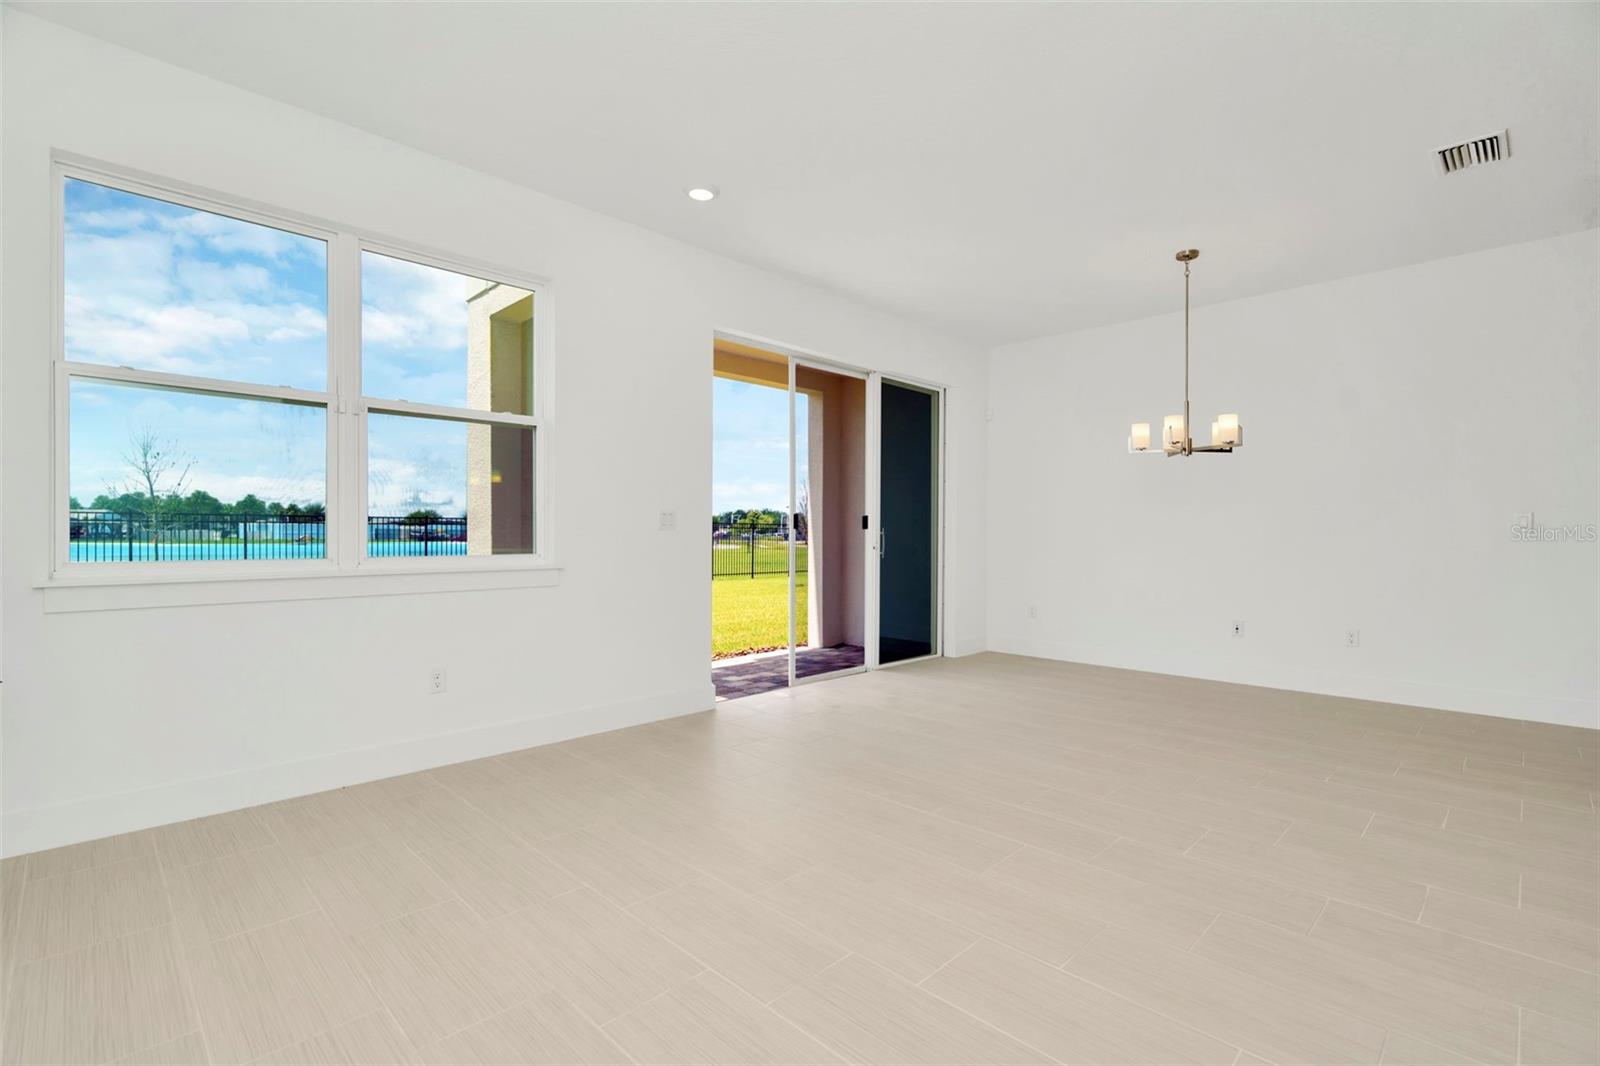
(750, 445)
(157, 286)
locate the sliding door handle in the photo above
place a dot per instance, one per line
(883, 543)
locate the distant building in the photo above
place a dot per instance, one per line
(499, 458)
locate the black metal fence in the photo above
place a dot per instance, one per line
(114, 536)
(399, 535)
(749, 548)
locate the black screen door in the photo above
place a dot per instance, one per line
(908, 565)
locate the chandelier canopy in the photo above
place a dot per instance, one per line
(1226, 433)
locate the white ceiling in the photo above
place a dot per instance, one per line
(1004, 171)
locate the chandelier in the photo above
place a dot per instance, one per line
(1226, 433)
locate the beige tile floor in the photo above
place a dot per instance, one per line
(991, 859)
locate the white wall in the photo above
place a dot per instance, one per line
(1395, 424)
(119, 719)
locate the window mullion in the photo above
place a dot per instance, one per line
(347, 450)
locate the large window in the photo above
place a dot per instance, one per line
(238, 387)
(447, 365)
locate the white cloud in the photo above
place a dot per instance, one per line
(231, 236)
(211, 280)
(122, 271)
(409, 305)
(138, 298)
(112, 219)
(154, 337)
(298, 323)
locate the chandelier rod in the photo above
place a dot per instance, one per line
(1188, 436)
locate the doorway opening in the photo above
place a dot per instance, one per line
(788, 545)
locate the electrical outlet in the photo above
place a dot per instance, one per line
(668, 520)
(1033, 610)
(436, 682)
(1238, 628)
(1352, 638)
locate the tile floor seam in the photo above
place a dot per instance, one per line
(808, 980)
(643, 1003)
(848, 952)
(947, 962)
(518, 1005)
(1315, 921)
(1228, 1041)
(1579, 970)
(803, 1031)
(388, 1011)
(179, 867)
(97, 867)
(1337, 1010)
(734, 984)
(798, 1027)
(1196, 941)
(974, 1017)
(185, 971)
(20, 964)
(1207, 833)
(151, 1047)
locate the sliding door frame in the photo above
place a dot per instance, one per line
(826, 366)
(797, 357)
(875, 499)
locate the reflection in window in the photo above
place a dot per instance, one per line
(437, 337)
(443, 487)
(157, 286)
(158, 475)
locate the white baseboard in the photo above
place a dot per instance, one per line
(1528, 707)
(36, 828)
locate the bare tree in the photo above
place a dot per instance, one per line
(159, 471)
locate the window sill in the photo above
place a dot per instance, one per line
(70, 593)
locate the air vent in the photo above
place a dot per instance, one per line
(1489, 149)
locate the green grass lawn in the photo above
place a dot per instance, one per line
(753, 612)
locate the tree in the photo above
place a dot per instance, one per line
(422, 517)
(316, 509)
(249, 504)
(72, 502)
(202, 502)
(160, 470)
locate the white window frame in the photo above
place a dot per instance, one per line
(346, 408)
(537, 421)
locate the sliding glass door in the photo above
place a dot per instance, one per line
(828, 544)
(908, 521)
(825, 538)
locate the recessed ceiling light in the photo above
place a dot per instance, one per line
(702, 193)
